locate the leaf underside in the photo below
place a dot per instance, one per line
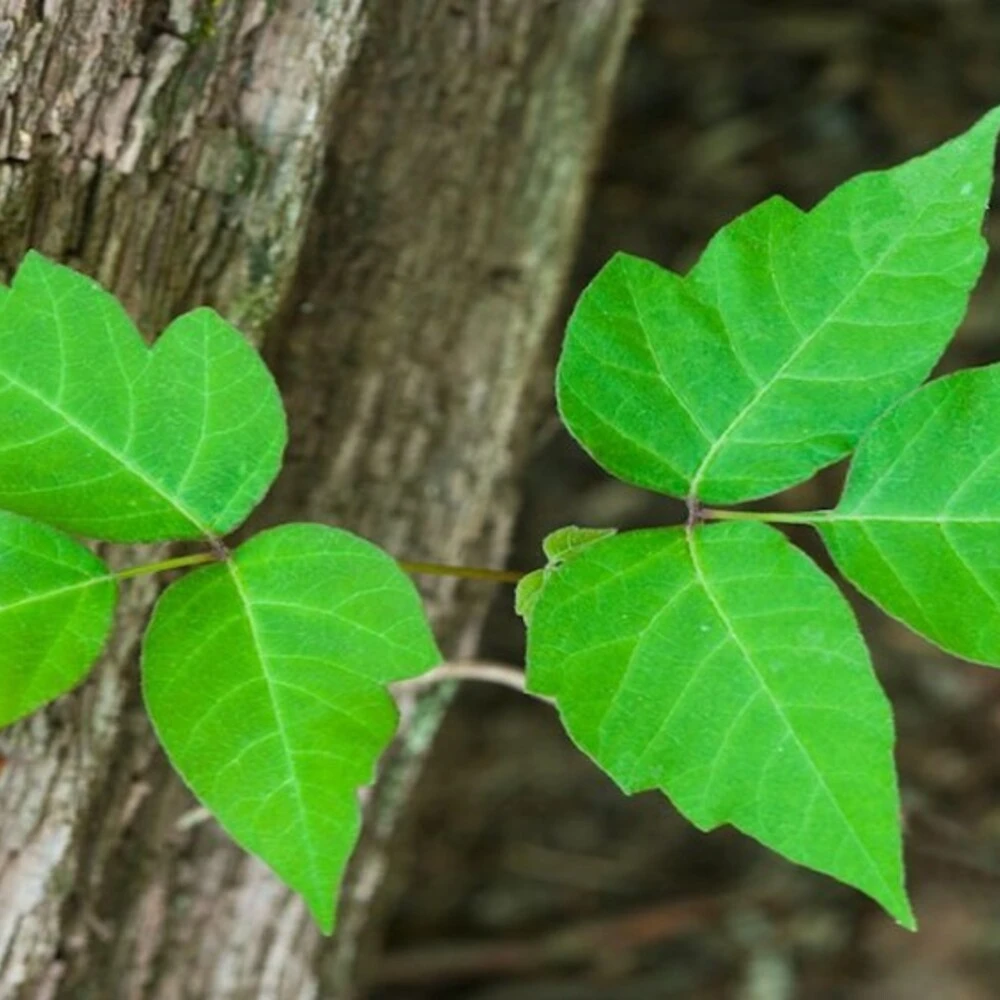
(109, 439)
(792, 333)
(918, 526)
(722, 667)
(265, 678)
(56, 605)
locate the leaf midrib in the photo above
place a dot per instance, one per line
(104, 445)
(113, 452)
(835, 518)
(49, 594)
(317, 879)
(731, 630)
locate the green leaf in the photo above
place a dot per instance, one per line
(724, 668)
(265, 678)
(792, 333)
(918, 526)
(108, 439)
(56, 604)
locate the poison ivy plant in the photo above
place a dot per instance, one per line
(265, 674)
(714, 662)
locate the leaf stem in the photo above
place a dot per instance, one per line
(464, 572)
(770, 517)
(178, 562)
(489, 673)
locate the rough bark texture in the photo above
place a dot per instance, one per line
(390, 193)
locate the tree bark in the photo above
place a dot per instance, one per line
(385, 195)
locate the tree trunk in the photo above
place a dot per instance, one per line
(385, 195)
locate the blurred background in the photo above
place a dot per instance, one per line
(525, 873)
